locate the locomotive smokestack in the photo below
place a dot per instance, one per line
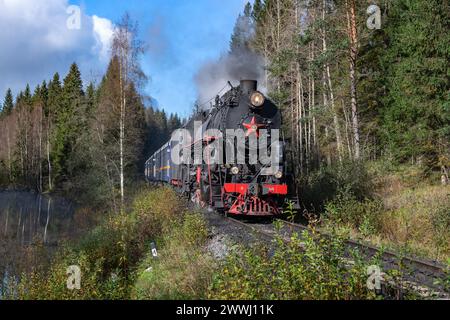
(248, 86)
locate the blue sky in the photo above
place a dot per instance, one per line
(181, 36)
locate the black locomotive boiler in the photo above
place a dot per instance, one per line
(240, 186)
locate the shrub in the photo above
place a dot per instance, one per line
(419, 218)
(361, 215)
(183, 269)
(351, 179)
(108, 255)
(308, 267)
(440, 221)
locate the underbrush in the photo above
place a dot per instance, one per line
(403, 211)
(307, 267)
(324, 185)
(108, 256)
(420, 220)
(182, 269)
(117, 262)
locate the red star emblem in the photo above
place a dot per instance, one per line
(252, 127)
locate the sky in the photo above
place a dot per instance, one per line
(41, 37)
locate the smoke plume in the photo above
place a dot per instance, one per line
(240, 63)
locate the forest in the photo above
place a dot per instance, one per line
(363, 87)
(366, 109)
(364, 91)
(87, 141)
(349, 92)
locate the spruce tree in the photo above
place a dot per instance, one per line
(54, 95)
(90, 99)
(243, 31)
(67, 122)
(173, 123)
(416, 64)
(257, 10)
(20, 98)
(37, 94)
(44, 93)
(27, 97)
(8, 104)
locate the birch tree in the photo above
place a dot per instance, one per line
(353, 55)
(126, 48)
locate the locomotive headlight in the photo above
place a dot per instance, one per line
(235, 170)
(257, 99)
(278, 175)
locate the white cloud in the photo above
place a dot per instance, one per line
(103, 31)
(36, 42)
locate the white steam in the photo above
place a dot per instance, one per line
(240, 63)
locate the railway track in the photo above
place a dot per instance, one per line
(429, 278)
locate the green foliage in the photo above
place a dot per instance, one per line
(402, 79)
(243, 31)
(8, 103)
(351, 179)
(440, 221)
(64, 140)
(289, 211)
(347, 210)
(67, 125)
(416, 120)
(54, 92)
(109, 255)
(182, 270)
(307, 267)
(405, 212)
(159, 128)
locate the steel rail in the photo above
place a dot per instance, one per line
(419, 273)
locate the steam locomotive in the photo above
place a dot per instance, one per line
(229, 175)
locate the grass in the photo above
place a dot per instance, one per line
(306, 268)
(108, 256)
(420, 219)
(183, 268)
(405, 212)
(116, 261)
